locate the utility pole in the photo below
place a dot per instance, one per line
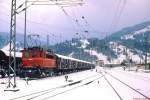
(146, 49)
(25, 25)
(12, 50)
(47, 42)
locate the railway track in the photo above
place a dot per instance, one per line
(56, 91)
(86, 83)
(113, 88)
(125, 84)
(146, 79)
(36, 95)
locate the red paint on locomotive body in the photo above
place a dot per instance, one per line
(38, 58)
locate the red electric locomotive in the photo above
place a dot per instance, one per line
(39, 62)
(38, 57)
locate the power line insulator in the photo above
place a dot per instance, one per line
(82, 17)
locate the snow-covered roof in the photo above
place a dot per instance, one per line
(6, 48)
(100, 56)
(6, 52)
(65, 57)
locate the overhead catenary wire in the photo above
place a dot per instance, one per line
(78, 25)
(33, 2)
(25, 7)
(62, 3)
(84, 30)
(68, 16)
(12, 60)
(7, 21)
(89, 28)
(114, 17)
(119, 10)
(79, 21)
(32, 22)
(115, 21)
(75, 20)
(120, 13)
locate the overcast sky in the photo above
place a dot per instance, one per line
(100, 18)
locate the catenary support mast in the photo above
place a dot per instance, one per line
(12, 49)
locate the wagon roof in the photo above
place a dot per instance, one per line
(65, 57)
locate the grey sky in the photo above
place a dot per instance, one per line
(100, 17)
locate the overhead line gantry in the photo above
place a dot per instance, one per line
(12, 49)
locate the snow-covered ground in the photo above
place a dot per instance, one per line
(100, 56)
(97, 84)
(84, 43)
(124, 53)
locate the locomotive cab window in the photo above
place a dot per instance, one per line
(34, 53)
(26, 54)
(42, 54)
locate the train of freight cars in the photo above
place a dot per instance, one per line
(38, 62)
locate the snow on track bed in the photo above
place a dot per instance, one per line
(132, 72)
(96, 90)
(68, 89)
(41, 84)
(86, 85)
(136, 75)
(134, 80)
(49, 93)
(113, 89)
(125, 91)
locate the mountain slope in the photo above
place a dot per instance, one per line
(133, 37)
(4, 40)
(127, 44)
